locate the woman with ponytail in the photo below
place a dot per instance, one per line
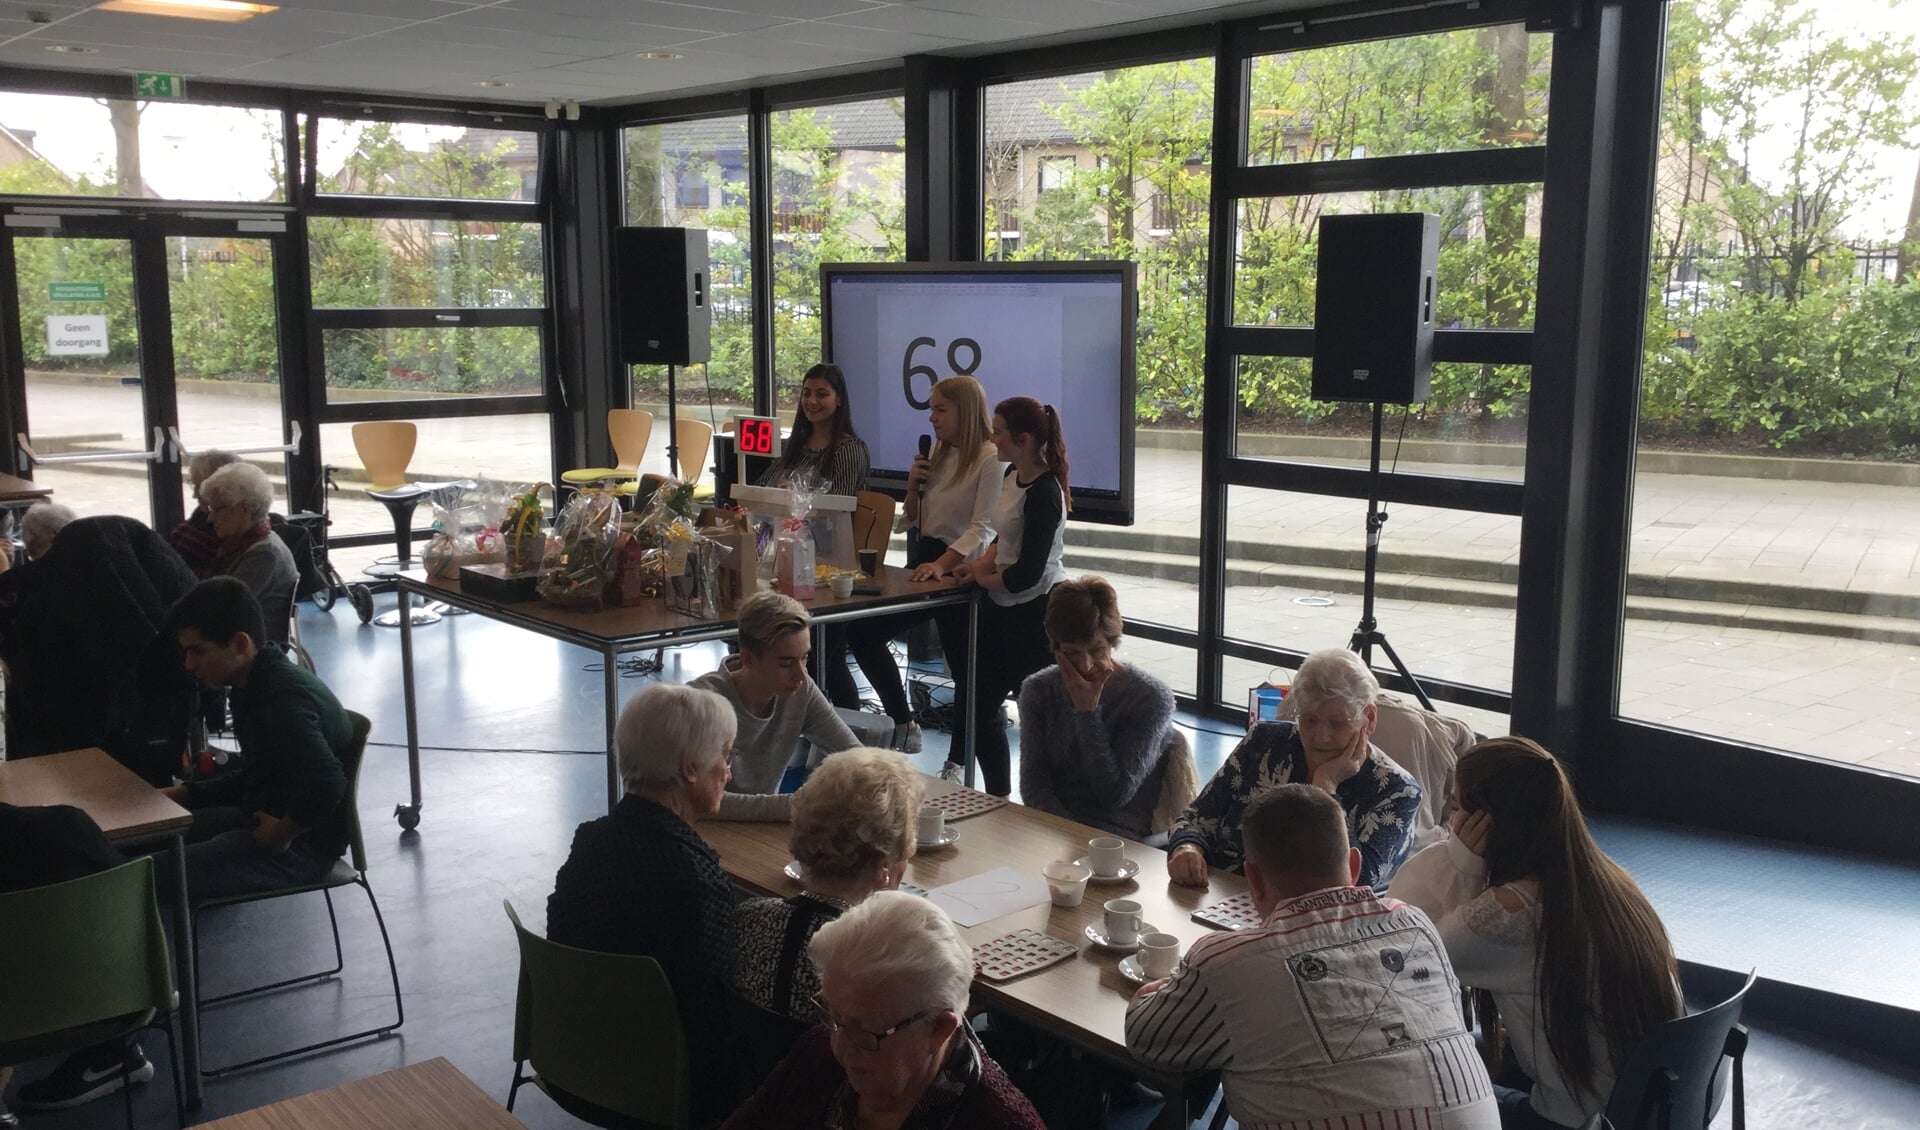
(1093, 730)
(1018, 571)
(1555, 937)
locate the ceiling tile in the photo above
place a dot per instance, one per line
(656, 14)
(798, 9)
(506, 17)
(874, 43)
(929, 21)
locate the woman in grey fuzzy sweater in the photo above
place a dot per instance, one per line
(1093, 731)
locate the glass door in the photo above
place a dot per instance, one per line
(88, 433)
(143, 341)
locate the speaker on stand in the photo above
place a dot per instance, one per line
(1373, 344)
(661, 283)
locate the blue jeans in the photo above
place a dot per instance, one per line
(223, 860)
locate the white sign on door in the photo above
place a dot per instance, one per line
(77, 335)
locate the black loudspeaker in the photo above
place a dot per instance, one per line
(1373, 308)
(660, 291)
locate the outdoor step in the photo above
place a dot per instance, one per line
(1437, 590)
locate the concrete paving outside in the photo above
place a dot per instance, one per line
(1750, 593)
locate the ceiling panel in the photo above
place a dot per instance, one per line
(659, 15)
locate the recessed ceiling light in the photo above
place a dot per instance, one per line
(659, 56)
(226, 11)
(72, 49)
(492, 83)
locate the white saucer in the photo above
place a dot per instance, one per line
(1097, 934)
(792, 871)
(1130, 969)
(947, 839)
(1128, 869)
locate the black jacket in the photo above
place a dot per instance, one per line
(52, 844)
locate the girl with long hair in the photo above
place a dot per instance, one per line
(1555, 937)
(822, 442)
(1018, 570)
(949, 513)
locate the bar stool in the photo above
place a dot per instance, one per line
(386, 448)
(629, 429)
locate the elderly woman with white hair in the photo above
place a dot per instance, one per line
(194, 539)
(853, 833)
(42, 523)
(1326, 745)
(641, 881)
(895, 1050)
(237, 498)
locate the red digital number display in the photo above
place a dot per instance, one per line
(756, 437)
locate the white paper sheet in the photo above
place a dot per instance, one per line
(990, 895)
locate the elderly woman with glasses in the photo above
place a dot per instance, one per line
(641, 881)
(895, 1050)
(237, 498)
(1325, 745)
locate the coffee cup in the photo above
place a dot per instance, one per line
(842, 585)
(932, 824)
(1107, 854)
(1123, 921)
(1066, 881)
(870, 563)
(1159, 955)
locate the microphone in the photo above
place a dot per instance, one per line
(926, 446)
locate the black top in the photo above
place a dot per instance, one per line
(40, 846)
(641, 881)
(295, 737)
(772, 968)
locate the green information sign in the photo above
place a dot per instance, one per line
(151, 85)
(77, 292)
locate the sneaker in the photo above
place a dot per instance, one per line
(907, 737)
(953, 771)
(85, 1076)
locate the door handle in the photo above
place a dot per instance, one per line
(33, 457)
(182, 452)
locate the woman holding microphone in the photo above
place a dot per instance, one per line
(951, 492)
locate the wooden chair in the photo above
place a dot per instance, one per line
(873, 521)
(385, 448)
(695, 440)
(629, 429)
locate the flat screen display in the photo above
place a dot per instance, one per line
(1061, 333)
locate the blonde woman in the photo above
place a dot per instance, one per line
(951, 493)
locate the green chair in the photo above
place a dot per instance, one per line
(86, 962)
(602, 1033)
(349, 872)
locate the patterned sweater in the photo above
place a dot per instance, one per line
(1380, 801)
(1103, 766)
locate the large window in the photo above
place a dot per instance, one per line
(1116, 165)
(694, 174)
(839, 196)
(1773, 590)
(63, 145)
(433, 162)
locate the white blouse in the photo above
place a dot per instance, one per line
(958, 509)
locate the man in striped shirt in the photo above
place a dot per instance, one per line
(1338, 1012)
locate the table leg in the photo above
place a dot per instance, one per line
(409, 814)
(189, 991)
(973, 679)
(612, 675)
(1174, 1114)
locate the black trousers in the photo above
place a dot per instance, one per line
(869, 641)
(1016, 637)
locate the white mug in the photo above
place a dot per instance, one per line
(1107, 854)
(1123, 921)
(1066, 881)
(933, 823)
(1159, 954)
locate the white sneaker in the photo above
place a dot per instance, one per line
(953, 771)
(907, 737)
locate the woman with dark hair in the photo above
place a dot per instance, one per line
(1018, 570)
(822, 443)
(1555, 937)
(1093, 730)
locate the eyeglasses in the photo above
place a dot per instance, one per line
(1338, 724)
(865, 1040)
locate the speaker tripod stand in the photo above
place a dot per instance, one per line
(1368, 635)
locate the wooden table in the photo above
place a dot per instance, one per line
(1082, 1000)
(422, 1096)
(648, 627)
(131, 813)
(16, 491)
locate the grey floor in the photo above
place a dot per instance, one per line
(498, 821)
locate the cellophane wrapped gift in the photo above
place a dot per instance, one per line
(466, 531)
(794, 552)
(523, 535)
(578, 573)
(696, 591)
(730, 526)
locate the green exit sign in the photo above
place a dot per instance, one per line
(77, 292)
(146, 85)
